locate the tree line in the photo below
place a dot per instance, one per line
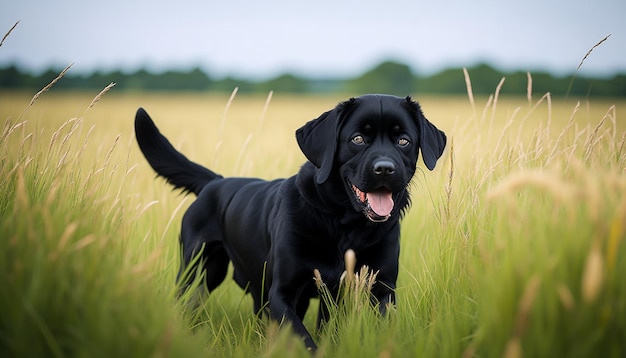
(387, 77)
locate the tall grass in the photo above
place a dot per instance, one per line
(73, 283)
(514, 245)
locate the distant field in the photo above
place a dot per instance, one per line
(514, 245)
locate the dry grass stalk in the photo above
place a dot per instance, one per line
(494, 105)
(612, 114)
(496, 95)
(450, 177)
(107, 158)
(99, 96)
(145, 207)
(566, 297)
(8, 32)
(571, 83)
(146, 266)
(590, 50)
(62, 160)
(529, 87)
(593, 274)
(228, 104)
(513, 348)
(503, 133)
(620, 149)
(264, 112)
(21, 194)
(470, 92)
(85, 241)
(559, 189)
(75, 123)
(486, 108)
(616, 235)
(368, 279)
(546, 97)
(239, 162)
(350, 263)
(8, 129)
(171, 219)
(573, 147)
(317, 276)
(56, 133)
(8, 174)
(357, 282)
(562, 134)
(352, 284)
(5, 130)
(525, 305)
(49, 85)
(80, 152)
(591, 192)
(534, 150)
(65, 237)
(594, 138)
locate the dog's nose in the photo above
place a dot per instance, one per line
(384, 167)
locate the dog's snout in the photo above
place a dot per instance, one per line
(384, 167)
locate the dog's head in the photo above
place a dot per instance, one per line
(372, 143)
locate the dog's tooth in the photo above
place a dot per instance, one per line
(359, 194)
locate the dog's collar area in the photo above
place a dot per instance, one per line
(376, 205)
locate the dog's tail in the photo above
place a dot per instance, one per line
(179, 171)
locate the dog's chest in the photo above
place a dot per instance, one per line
(332, 265)
(360, 237)
(331, 270)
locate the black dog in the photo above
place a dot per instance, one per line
(351, 194)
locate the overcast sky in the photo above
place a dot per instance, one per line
(315, 38)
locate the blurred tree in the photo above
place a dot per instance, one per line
(11, 77)
(447, 81)
(285, 83)
(389, 77)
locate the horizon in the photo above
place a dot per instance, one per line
(309, 77)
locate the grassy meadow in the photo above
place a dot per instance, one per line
(514, 245)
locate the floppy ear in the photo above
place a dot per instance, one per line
(318, 141)
(432, 140)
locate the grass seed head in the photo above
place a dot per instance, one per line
(350, 262)
(318, 278)
(593, 275)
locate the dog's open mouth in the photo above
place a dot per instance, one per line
(377, 204)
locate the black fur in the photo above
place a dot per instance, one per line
(351, 194)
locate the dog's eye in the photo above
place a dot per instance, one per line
(358, 140)
(403, 142)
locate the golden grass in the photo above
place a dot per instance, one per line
(530, 200)
(501, 161)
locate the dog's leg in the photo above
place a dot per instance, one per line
(214, 262)
(200, 237)
(386, 302)
(215, 266)
(301, 307)
(282, 311)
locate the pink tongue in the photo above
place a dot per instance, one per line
(381, 202)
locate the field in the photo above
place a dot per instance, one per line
(514, 245)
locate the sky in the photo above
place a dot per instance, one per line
(321, 38)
